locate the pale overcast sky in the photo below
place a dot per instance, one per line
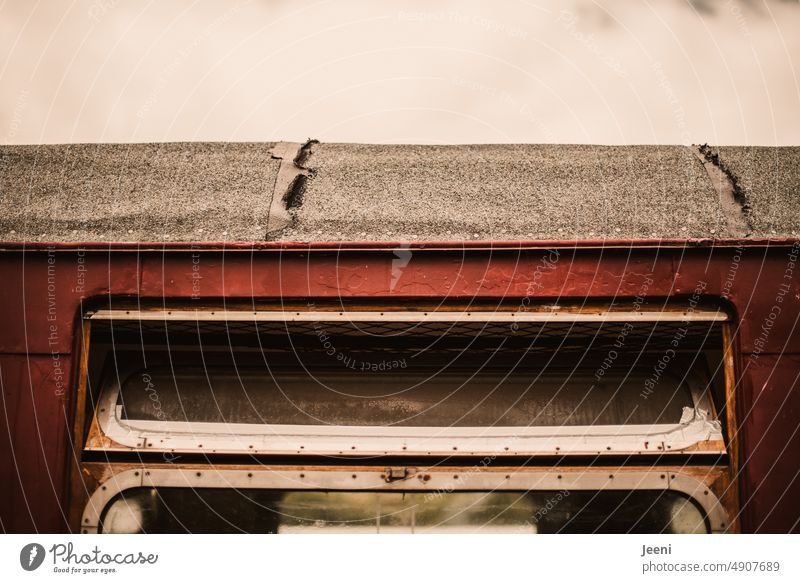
(610, 72)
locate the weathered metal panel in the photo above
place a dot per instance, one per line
(767, 389)
(34, 450)
(770, 420)
(42, 290)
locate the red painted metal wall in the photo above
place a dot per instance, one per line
(43, 290)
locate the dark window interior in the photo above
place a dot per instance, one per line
(212, 510)
(406, 374)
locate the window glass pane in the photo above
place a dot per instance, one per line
(413, 397)
(171, 510)
(380, 374)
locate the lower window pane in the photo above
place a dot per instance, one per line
(218, 510)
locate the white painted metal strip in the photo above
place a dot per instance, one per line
(437, 480)
(398, 316)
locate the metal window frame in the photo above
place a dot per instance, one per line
(375, 479)
(186, 437)
(698, 432)
(546, 316)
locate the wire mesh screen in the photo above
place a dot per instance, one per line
(428, 335)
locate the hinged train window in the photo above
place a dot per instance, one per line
(555, 382)
(289, 500)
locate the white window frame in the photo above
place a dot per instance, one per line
(695, 427)
(374, 479)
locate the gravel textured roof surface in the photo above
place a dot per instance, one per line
(352, 192)
(769, 179)
(136, 192)
(505, 192)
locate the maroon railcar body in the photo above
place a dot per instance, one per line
(45, 289)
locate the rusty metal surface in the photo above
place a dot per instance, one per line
(710, 486)
(768, 348)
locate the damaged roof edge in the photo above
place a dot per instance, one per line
(287, 191)
(291, 195)
(732, 199)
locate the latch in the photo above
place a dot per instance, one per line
(395, 474)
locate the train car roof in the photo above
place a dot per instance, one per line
(213, 192)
